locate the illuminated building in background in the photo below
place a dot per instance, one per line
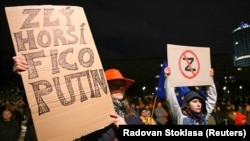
(241, 39)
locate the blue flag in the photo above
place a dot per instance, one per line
(160, 93)
(200, 91)
(180, 93)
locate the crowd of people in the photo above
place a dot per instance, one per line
(226, 112)
(194, 110)
(150, 111)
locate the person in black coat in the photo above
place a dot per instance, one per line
(9, 128)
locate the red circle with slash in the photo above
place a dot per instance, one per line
(189, 71)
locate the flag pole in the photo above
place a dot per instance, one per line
(153, 107)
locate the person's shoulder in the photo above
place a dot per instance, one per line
(133, 119)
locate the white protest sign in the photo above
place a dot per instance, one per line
(190, 65)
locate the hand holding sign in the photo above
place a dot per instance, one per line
(61, 70)
(20, 64)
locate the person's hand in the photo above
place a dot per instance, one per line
(211, 72)
(167, 71)
(118, 120)
(20, 64)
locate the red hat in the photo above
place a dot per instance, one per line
(115, 74)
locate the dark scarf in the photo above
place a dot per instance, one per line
(194, 115)
(120, 107)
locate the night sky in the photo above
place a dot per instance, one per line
(127, 29)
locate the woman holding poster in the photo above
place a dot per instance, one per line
(195, 109)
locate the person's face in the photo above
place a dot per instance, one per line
(117, 89)
(195, 105)
(151, 105)
(218, 109)
(232, 115)
(247, 108)
(7, 115)
(159, 104)
(144, 113)
(137, 107)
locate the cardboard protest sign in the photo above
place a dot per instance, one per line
(190, 65)
(65, 84)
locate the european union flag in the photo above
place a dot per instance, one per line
(180, 93)
(200, 91)
(160, 93)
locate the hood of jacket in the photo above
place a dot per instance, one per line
(191, 95)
